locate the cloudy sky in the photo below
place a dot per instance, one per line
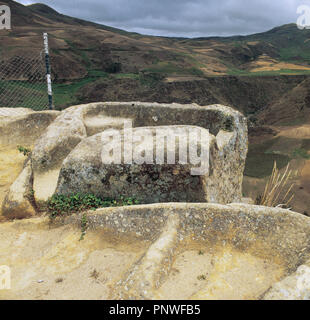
(189, 18)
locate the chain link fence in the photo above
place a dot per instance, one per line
(23, 81)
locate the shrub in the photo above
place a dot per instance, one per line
(25, 151)
(62, 205)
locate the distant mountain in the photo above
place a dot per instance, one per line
(53, 15)
(95, 61)
(91, 46)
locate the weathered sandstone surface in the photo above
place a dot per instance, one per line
(160, 251)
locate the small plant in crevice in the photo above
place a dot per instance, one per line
(60, 206)
(84, 226)
(30, 197)
(25, 151)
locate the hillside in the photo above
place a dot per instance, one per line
(92, 47)
(91, 62)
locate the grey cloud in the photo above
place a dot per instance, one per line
(188, 18)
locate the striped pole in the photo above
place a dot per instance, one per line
(48, 72)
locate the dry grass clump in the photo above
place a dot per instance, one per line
(278, 190)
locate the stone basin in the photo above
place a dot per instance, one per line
(63, 142)
(161, 251)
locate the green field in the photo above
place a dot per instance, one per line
(261, 158)
(171, 68)
(22, 94)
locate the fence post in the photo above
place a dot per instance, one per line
(48, 72)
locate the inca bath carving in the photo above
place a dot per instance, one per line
(67, 156)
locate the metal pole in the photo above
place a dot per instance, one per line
(48, 72)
